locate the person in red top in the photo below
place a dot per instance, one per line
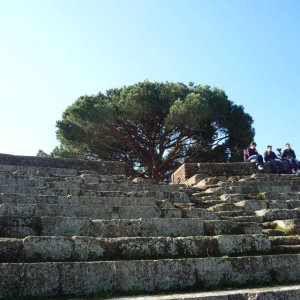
(251, 155)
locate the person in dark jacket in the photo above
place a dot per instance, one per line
(274, 160)
(251, 155)
(289, 155)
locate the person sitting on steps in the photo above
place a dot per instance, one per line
(274, 160)
(251, 155)
(289, 155)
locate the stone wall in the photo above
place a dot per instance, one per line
(188, 170)
(103, 167)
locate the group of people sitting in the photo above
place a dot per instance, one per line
(251, 155)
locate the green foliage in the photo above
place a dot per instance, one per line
(261, 196)
(42, 153)
(286, 230)
(65, 152)
(69, 195)
(154, 127)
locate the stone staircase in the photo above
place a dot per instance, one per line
(270, 201)
(92, 232)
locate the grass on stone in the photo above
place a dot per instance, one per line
(286, 230)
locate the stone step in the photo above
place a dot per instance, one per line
(232, 198)
(184, 210)
(104, 211)
(42, 190)
(273, 232)
(289, 204)
(100, 212)
(253, 205)
(88, 177)
(102, 167)
(283, 196)
(37, 171)
(129, 186)
(234, 213)
(12, 226)
(278, 214)
(212, 182)
(281, 181)
(144, 276)
(246, 180)
(289, 226)
(205, 198)
(75, 189)
(206, 203)
(282, 292)
(218, 191)
(285, 227)
(98, 202)
(78, 177)
(82, 200)
(77, 182)
(296, 230)
(273, 179)
(285, 240)
(285, 244)
(82, 248)
(38, 180)
(71, 193)
(256, 205)
(201, 213)
(260, 196)
(226, 207)
(286, 249)
(244, 218)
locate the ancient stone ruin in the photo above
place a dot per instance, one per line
(84, 229)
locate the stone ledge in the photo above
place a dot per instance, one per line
(205, 170)
(25, 280)
(274, 293)
(102, 167)
(83, 248)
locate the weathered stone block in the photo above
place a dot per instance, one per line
(217, 227)
(232, 198)
(47, 248)
(65, 226)
(11, 250)
(29, 280)
(252, 205)
(200, 213)
(278, 214)
(171, 227)
(243, 244)
(116, 228)
(144, 275)
(11, 226)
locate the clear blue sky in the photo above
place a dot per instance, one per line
(52, 52)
